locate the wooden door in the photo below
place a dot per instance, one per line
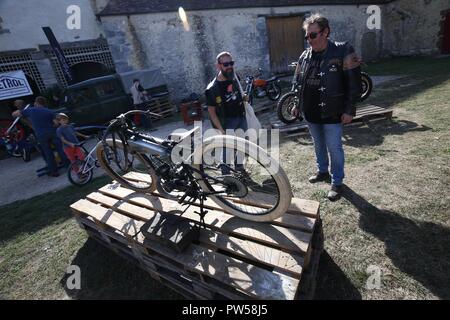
(286, 39)
(446, 38)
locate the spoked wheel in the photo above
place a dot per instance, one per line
(287, 103)
(78, 174)
(366, 83)
(131, 170)
(255, 189)
(274, 91)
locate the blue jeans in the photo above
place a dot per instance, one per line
(234, 124)
(328, 140)
(44, 141)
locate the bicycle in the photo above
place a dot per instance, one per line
(256, 189)
(80, 172)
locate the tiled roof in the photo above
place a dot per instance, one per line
(126, 7)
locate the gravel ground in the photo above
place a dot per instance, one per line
(20, 181)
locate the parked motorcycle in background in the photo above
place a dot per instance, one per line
(260, 88)
(291, 100)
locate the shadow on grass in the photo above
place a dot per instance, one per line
(30, 216)
(332, 283)
(373, 133)
(419, 249)
(105, 275)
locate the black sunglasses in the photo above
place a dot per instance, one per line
(227, 64)
(313, 35)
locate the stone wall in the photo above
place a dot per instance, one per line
(187, 58)
(412, 27)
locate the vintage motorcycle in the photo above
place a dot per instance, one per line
(144, 163)
(260, 88)
(291, 100)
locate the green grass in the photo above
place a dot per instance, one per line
(39, 239)
(396, 210)
(420, 65)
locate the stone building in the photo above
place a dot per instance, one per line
(125, 35)
(260, 33)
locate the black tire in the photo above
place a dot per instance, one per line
(274, 91)
(76, 176)
(26, 154)
(367, 85)
(285, 104)
(135, 180)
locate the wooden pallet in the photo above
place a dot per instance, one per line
(232, 258)
(363, 114)
(260, 107)
(162, 106)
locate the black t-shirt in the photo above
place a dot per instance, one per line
(312, 93)
(226, 95)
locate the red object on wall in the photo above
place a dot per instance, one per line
(191, 111)
(446, 38)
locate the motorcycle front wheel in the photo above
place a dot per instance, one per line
(287, 103)
(258, 190)
(274, 91)
(136, 173)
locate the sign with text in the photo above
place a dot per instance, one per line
(14, 84)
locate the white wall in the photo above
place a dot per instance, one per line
(24, 19)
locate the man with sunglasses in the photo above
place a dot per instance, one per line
(329, 76)
(224, 100)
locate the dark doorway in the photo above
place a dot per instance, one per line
(286, 41)
(88, 70)
(446, 34)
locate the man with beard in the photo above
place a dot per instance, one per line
(224, 100)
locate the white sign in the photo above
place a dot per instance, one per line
(14, 84)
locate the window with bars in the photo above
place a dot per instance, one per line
(22, 62)
(100, 54)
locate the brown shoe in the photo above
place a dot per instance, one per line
(320, 176)
(335, 193)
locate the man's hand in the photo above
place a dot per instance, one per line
(246, 98)
(16, 114)
(346, 118)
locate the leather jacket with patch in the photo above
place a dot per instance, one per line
(340, 78)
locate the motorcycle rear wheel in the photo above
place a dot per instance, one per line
(259, 192)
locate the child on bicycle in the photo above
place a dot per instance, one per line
(68, 136)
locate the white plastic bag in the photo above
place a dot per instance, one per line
(252, 120)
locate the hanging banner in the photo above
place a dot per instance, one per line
(59, 55)
(14, 84)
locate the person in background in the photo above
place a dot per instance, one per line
(42, 120)
(140, 96)
(329, 74)
(225, 103)
(68, 136)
